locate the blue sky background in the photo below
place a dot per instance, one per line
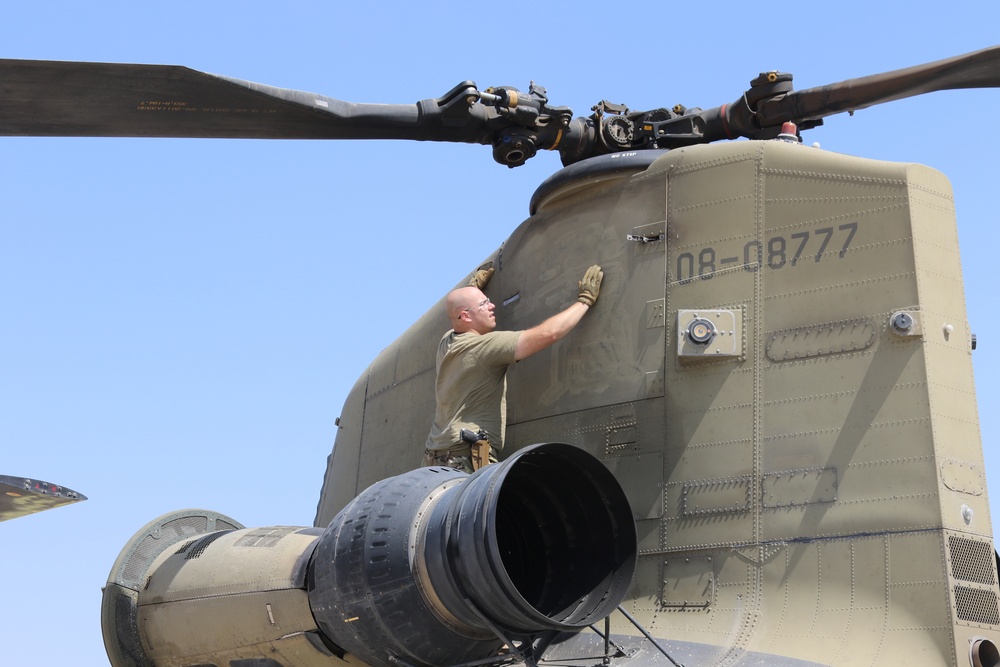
(182, 319)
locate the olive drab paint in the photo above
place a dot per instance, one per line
(806, 475)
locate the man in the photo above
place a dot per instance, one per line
(472, 361)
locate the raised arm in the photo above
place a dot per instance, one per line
(548, 332)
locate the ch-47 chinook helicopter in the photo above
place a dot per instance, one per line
(771, 453)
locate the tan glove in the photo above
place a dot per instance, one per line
(590, 286)
(482, 276)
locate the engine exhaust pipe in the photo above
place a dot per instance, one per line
(436, 567)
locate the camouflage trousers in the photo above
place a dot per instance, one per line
(460, 460)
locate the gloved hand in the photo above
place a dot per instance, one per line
(590, 286)
(482, 276)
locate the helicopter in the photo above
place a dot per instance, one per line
(734, 513)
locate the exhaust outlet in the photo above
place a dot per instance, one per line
(435, 566)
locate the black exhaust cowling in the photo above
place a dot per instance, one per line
(427, 566)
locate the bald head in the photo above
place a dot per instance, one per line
(470, 310)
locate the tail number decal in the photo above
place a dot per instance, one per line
(776, 253)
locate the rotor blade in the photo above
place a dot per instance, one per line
(51, 98)
(980, 69)
(21, 496)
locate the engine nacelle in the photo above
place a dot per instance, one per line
(430, 567)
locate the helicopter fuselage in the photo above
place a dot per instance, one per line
(779, 374)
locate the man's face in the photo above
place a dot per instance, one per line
(482, 315)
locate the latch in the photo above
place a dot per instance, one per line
(645, 239)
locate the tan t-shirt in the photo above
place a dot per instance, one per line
(471, 389)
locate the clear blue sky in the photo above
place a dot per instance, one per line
(182, 319)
